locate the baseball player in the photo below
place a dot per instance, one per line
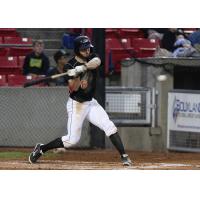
(81, 103)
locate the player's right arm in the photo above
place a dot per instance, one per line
(74, 84)
(74, 81)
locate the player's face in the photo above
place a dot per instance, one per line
(85, 53)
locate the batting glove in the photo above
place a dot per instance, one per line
(72, 72)
(80, 68)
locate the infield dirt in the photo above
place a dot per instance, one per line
(17, 159)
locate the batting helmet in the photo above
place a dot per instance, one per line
(81, 43)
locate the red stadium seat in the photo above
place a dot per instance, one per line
(20, 61)
(18, 41)
(8, 29)
(8, 61)
(4, 51)
(16, 80)
(117, 55)
(117, 43)
(131, 33)
(3, 81)
(19, 51)
(9, 65)
(111, 32)
(1, 40)
(145, 47)
(8, 32)
(144, 43)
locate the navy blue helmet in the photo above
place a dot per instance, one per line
(81, 43)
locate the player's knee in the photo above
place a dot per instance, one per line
(69, 141)
(110, 128)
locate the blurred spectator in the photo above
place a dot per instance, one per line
(36, 63)
(169, 38)
(61, 60)
(154, 33)
(195, 39)
(160, 53)
(184, 48)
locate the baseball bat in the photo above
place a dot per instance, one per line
(45, 79)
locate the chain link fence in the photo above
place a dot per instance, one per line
(34, 115)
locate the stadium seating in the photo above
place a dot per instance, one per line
(17, 41)
(20, 61)
(8, 61)
(16, 80)
(20, 51)
(144, 43)
(117, 43)
(13, 49)
(111, 32)
(9, 65)
(117, 55)
(131, 33)
(124, 33)
(3, 81)
(145, 47)
(8, 32)
(4, 51)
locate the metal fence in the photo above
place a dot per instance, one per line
(129, 106)
(34, 115)
(184, 141)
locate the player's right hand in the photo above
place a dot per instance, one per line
(72, 72)
(81, 68)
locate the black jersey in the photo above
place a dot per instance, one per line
(86, 94)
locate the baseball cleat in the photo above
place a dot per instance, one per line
(37, 152)
(126, 161)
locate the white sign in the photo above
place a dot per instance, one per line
(184, 112)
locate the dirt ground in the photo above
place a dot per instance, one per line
(102, 160)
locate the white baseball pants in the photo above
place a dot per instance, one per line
(77, 112)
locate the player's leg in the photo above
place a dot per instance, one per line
(98, 116)
(76, 115)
